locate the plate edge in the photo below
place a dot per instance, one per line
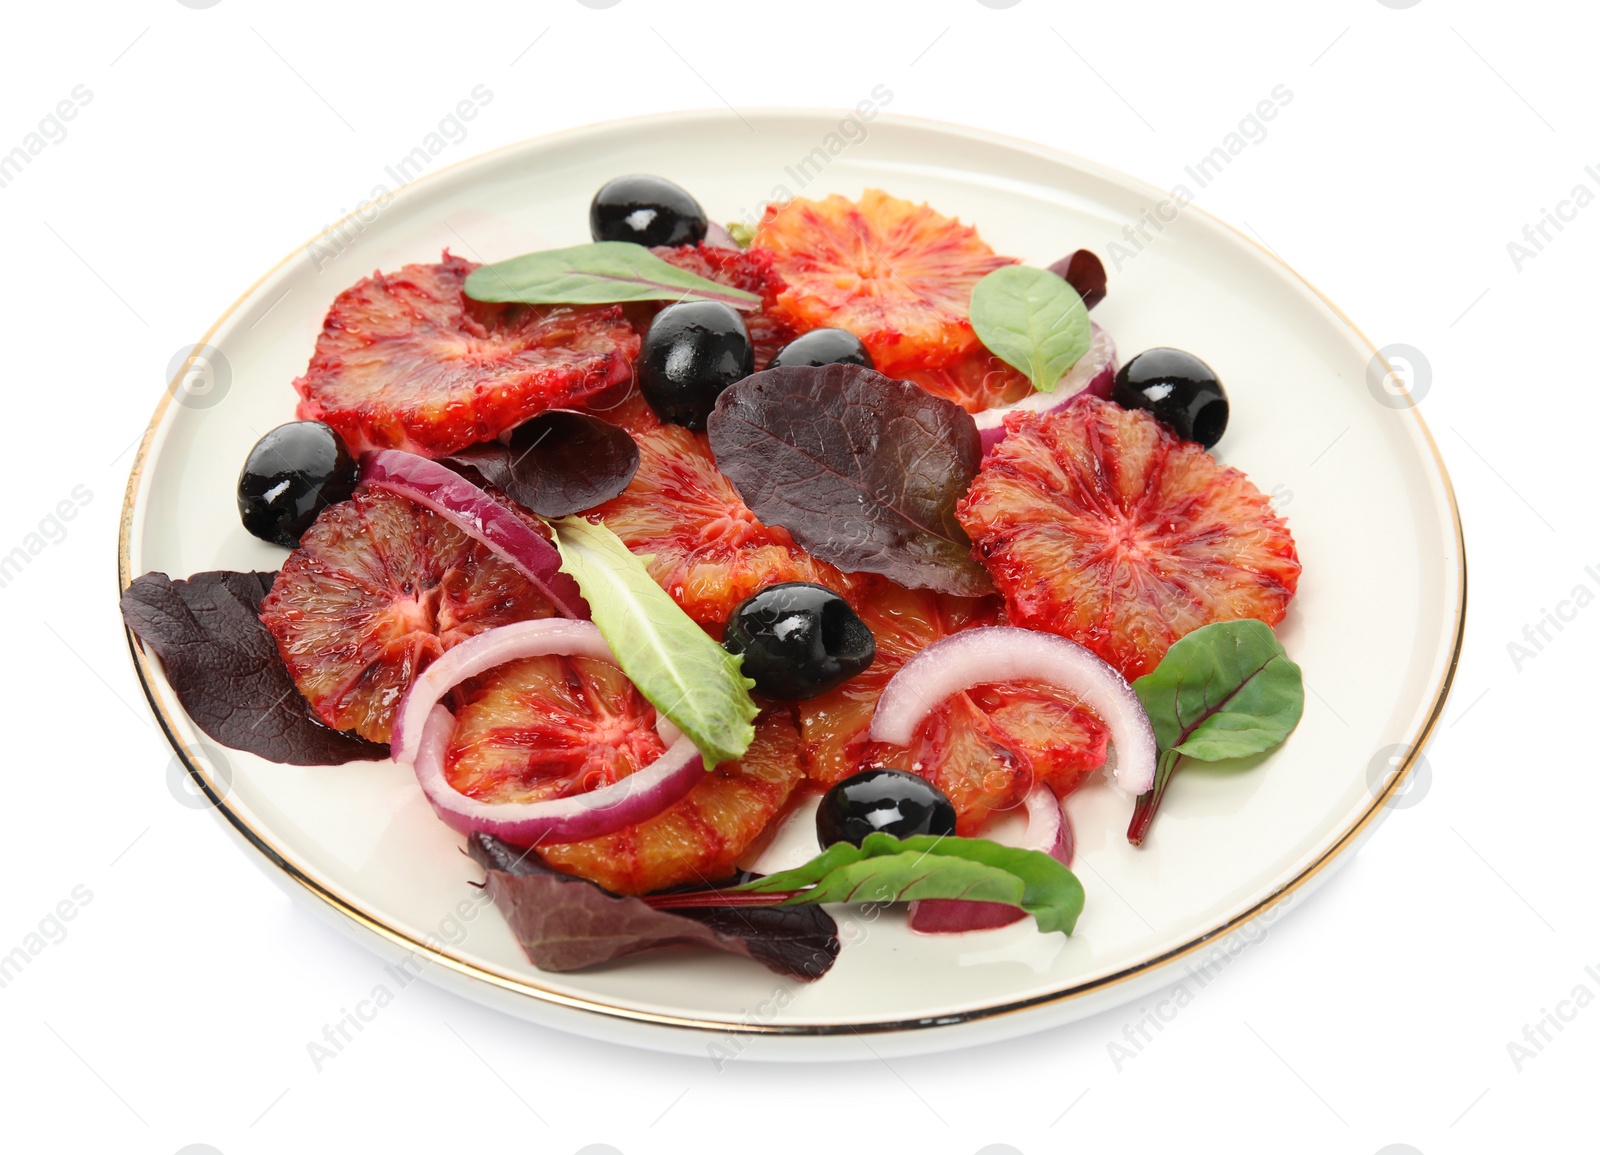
(520, 986)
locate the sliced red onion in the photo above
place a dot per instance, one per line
(718, 237)
(482, 653)
(637, 798)
(1093, 374)
(1047, 830)
(1066, 842)
(478, 515)
(989, 654)
(423, 728)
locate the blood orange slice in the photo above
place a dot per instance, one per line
(407, 361)
(1098, 524)
(379, 588)
(699, 838)
(625, 407)
(896, 274)
(708, 551)
(985, 748)
(976, 380)
(550, 727)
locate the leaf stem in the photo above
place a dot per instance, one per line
(691, 899)
(1144, 810)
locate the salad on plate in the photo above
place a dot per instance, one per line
(641, 551)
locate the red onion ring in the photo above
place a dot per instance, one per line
(1047, 830)
(481, 517)
(484, 652)
(1093, 373)
(988, 654)
(638, 797)
(423, 728)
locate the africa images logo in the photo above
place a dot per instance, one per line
(52, 129)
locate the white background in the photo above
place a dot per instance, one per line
(177, 1009)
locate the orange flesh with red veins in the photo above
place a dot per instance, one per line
(376, 591)
(1098, 524)
(709, 551)
(549, 727)
(407, 361)
(896, 274)
(545, 728)
(976, 380)
(698, 839)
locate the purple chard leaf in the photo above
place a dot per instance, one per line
(226, 670)
(558, 463)
(864, 470)
(565, 923)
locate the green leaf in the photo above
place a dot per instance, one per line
(602, 273)
(1032, 320)
(1224, 691)
(676, 665)
(888, 869)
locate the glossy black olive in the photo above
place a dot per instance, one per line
(691, 353)
(646, 210)
(1179, 389)
(798, 640)
(892, 801)
(293, 473)
(823, 347)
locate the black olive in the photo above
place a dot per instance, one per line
(798, 640)
(892, 801)
(1179, 390)
(691, 353)
(646, 210)
(823, 347)
(293, 474)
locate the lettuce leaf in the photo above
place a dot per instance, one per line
(674, 663)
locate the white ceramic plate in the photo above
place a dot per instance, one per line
(1376, 625)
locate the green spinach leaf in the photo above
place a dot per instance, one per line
(1032, 320)
(1226, 690)
(602, 273)
(889, 869)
